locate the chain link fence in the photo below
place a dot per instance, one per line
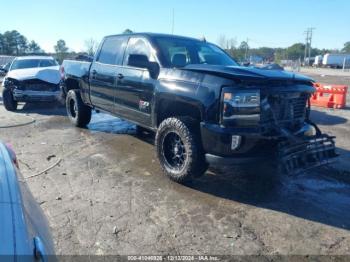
(4, 59)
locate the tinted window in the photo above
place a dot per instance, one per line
(138, 46)
(179, 52)
(26, 63)
(112, 50)
(48, 62)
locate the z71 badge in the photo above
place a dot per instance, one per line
(143, 105)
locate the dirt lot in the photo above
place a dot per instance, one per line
(108, 196)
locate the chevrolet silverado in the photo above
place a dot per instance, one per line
(204, 107)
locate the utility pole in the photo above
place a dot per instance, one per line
(311, 31)
(308, 43)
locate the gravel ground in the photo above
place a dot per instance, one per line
(108, 196)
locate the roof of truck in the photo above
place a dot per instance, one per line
(151, 35)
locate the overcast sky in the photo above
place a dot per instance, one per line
(275, 23)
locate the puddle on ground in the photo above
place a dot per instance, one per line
(101, 122)
(315, 196)
(316, 191)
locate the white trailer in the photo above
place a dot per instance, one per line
(318, 61)
(335, 60)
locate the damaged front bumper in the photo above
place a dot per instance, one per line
(306, 153)
(36, 96)
(33, 90)
(292, 152)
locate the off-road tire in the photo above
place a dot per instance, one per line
(9, 103)
(79, 113)
(194, 163)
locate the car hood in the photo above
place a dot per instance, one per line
(17, 208)
(12, 224)
(239, 72)
(48, 74)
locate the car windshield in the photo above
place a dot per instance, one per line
(179, 52)
(32, 63)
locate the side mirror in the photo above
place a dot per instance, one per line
(141, 61)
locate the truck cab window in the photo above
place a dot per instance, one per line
(138, 46)
(179, 52)
(112, 50)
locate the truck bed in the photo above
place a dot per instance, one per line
(76, 69)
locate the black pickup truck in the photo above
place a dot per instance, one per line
(203, 106)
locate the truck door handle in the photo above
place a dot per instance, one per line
(93, 74)
(120, 76)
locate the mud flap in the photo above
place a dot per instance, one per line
(308, 153)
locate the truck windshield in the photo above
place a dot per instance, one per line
(32, 63)
(179, 52)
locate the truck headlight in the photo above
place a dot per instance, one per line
(241, 105)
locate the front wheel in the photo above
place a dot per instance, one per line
(9, 102)
(179, 150)
(78, 113)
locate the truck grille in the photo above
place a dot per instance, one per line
(287, 110)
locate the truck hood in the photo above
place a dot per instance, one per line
(239, 72)
(48, 74)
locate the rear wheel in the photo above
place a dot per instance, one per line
(179, 150)
(78, 113)
(9, 102)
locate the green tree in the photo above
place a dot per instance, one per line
(280, 54)
(13, 43)
(33, 47)
(295, 51)
(61, 50)
(241, 53)
(22, 44)
(266, 53)
(2, 43)
(346, 48)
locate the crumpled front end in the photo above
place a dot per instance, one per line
(306, 153)
(302, 145)
(265, 120)
(33, 90)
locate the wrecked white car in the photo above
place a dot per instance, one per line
(31, 79)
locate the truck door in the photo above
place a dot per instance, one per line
(104, 71)
(135, 86)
